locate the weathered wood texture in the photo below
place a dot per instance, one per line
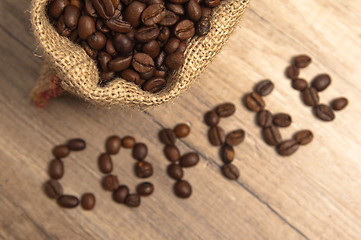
(314, 194)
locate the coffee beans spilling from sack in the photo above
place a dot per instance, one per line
(138, 41)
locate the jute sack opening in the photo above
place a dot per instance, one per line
(79, 74)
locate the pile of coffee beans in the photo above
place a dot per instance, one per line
(168, 136)
(143, 169)
(54, 189)
(218, 137)
(137, 40)
(310, 93)
(270, 123)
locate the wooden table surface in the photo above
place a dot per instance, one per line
(314, 194)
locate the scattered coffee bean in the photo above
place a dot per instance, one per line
(113, 144)
(292, 72)
(68, 201)
(76, 144)
(110, 182)
(183, 189)
(182, 130)
(133, 200)
(230, 171)
(203, 26)
(167, 136)
(235, 137)
(310, 96)
(61, 151)
(211, 118)
(53, 189)
(227, 153)
(225, 110)
(339, 103)
(216, 136)
(172, 153)
(254, 102)
(145, 189)
(271, 135)
(321, 82)
(128, 141)
(56, 169)
(282, 120)
(303, 137)
(302, 61)
(324, 112)
(143, 169)
(264, 118)
(264, 87)
(88, 201)
(287, 147)
(140, 151)
(105, 163)
(189, 159)
(299, 84)
(121, 193)
(175, 171)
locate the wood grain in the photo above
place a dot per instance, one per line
(314, 194)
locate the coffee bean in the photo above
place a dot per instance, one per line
(110, 182)
(212, 3)
(147, 34)
(235, 137)
(225, 110)
(106, 76)
(264, 118)
(53, 189)
(142, 62)
(103, 58)
(71, 16)
(216, 136)
(140, 151)
(118, 25)
(184, 30)
(128, 142)
(61, 28)
(133, 200)
(61, 151)
(272, 135)
(68, 201)
(153, 14)
(77, 3)
(182, 130)
(97, 40)
(86, 27)
(324, 112)
(206, 11)
(303, 137)
(145, 189)
(175, 171)
(254, 102)
(100, 26)
(203, 26)
(105, 8)
(321, 82)
(113, 144)
(57, 7)
(194, 11)
(189, 159)
(292, 72)
(211, 118)
(56, 169)
(89, 9)
(264, 87)
(88, 201)
(133, 12)
(170, 19)
(183, 189)
(123, 45)
(174, 60)
(152, 48)
(227, 153)
(176, 8)
(339, 103)
(302, 61)
(310, 96)
(172, 45)
(130, 75)
(167, 136)
(230, 171)
(90, 51)
(154, 85)
(143, 169)
(76, 144)
(121, 194)
(172, 153)
(287, 147)
(105, 163)
(182, 47)
(282, 120)
(299, 84)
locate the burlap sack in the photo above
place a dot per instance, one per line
(67, 65)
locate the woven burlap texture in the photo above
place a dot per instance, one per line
(80, 76)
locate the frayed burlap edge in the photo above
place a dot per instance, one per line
(79, 73)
